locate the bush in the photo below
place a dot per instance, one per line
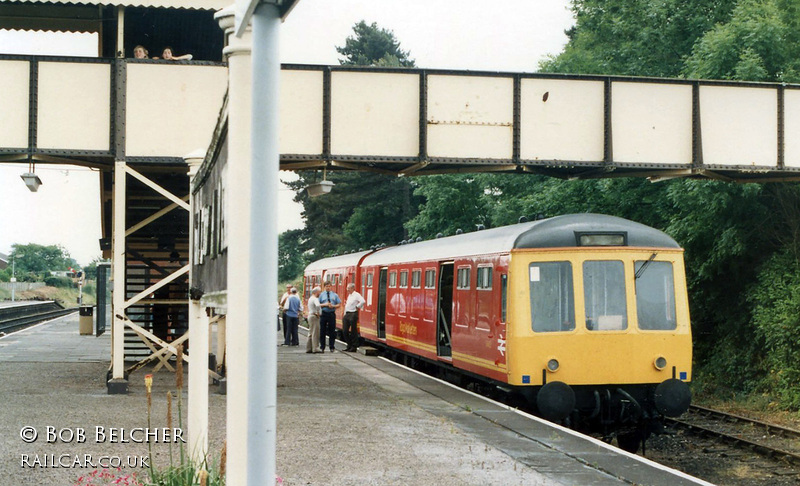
(775, 299)
(62, 282)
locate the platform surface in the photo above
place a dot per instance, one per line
(343, 419)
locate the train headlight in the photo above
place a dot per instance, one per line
(552, 365)
(660, 363)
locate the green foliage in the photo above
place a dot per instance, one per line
(635, 37)
(363, 209)
(451, 203)
(373, 46)
(62, 282)
(39, 259)
(291, 260)
(754, 45)
(775, 299)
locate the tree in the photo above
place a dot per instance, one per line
(363, 208)
(33, 259)
(291, 260)
(373, 46)
(635, 37)
(758, 43)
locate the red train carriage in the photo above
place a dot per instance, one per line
(586, 315)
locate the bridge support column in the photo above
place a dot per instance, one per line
(118, 384)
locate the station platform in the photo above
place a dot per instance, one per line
(343, 419)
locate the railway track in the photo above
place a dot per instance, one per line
(20, 317)
(770, 440)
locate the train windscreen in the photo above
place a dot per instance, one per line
(552, 299)
(655, 296)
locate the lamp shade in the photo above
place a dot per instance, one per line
(32, 181)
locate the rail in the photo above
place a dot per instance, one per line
(16, 317)
(760, 437)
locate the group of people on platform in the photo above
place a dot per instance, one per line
(141, 52)
(321, 317)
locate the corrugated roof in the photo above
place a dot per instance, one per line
(188, 4)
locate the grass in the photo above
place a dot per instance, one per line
(68, 297)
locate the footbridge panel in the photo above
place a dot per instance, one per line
(414, 122)
(93, 111)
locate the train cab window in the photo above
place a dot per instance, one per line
(552, 297)
(655, 295)
(392, 279)
(430, 279)
(416, 278)
(463, 279)
(369, 280)
(604, 294)
(404, 279)
(484, 278)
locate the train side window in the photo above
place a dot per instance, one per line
(463, 279)
(430, 279)
(392, 279)
(484, 280)
(604, 295)
(404, 279)
(369, 280)
(503, 297)
(655, 296)
(416, 278)
(552, 297)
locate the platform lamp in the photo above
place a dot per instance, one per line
(31, 179)
(320, 188)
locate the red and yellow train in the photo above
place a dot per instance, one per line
(585, 315)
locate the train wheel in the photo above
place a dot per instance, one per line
(630, 442)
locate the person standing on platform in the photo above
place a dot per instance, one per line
(314, 312)
(282, 304)
(350, 320)
(294, 307)
(329, 302)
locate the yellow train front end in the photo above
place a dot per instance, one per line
(600, 333)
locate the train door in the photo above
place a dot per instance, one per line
(444, 322)
(382, 304)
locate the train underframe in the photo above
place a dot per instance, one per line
(627, 413)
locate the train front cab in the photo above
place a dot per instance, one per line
(617, 317)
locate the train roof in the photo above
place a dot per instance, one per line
(556, 232)
(348, 260)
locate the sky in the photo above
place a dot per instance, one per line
(506, 35)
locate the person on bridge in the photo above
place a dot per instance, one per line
(139, 52)
(350, 320)
(329, 302)
(294, 307)
(167, 55)
(314, 312)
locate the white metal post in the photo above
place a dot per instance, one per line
(198, 352)
(118, 383)
(264, 186)
(237, 219)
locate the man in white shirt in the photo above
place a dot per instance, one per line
(350, 320)
(314, 313)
